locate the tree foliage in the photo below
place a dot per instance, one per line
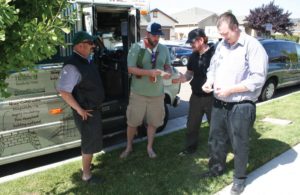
(270, 13)
(30, 31)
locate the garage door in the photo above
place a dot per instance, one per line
(166, 31)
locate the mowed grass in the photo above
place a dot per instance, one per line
(169, 173)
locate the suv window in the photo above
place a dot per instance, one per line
(279, 52)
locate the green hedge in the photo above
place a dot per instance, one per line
(287, 37)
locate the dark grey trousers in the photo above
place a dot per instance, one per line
(230, 126)
(198, 106)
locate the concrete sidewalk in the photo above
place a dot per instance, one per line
(280, 176)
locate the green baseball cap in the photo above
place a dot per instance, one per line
(81, 36)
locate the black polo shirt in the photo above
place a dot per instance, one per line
(199, 65)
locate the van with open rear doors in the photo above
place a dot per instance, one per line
(35, 120)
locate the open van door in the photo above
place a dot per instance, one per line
(89, 18)
(134, 27)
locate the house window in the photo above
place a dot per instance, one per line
(155, 14)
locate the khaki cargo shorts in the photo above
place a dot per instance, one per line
(143, 107)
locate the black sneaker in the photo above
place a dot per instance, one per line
(237, 189)
(186, 152)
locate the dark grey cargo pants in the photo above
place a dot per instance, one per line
(230, 125)
(198, 106)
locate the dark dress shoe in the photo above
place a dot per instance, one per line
(237, 189)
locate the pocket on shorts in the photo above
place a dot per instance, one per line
(156, 114)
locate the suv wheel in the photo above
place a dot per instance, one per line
(184, 60)
(143, 128)
(268, 90)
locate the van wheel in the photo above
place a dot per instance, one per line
(268, 90)
(184, 60)
(142, 130)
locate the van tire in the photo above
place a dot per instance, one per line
(268, 90)
(142, 130)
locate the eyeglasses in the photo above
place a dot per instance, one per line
(88, 42)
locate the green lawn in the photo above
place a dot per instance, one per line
(169, 173)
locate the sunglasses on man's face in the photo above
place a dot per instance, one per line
(88, 42)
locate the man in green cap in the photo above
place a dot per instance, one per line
(81, 87)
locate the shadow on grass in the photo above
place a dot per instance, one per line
(263, 150)
(170, 173)
(138, 174)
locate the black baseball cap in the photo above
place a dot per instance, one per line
(154, 29)
(198, 32)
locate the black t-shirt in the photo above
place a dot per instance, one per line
(199, 65)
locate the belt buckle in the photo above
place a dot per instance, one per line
(225, 105)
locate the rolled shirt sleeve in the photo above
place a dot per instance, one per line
(245, 63)
(257, 63)
(68, 78)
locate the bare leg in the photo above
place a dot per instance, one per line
(151, 134)
(131, 132)
(86, 164)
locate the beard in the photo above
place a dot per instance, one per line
(152, 43)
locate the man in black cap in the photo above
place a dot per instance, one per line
(147, 62)
(81, 87)
(200, 102)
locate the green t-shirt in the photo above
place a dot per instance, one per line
(143, 86)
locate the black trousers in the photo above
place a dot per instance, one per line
(230, 124)
(90, 131)
(198, 106)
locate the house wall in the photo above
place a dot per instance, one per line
(210, 21)
(167, 25)
(181, 31)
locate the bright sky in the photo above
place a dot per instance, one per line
(238, 7)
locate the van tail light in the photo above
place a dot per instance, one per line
(55, 111)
